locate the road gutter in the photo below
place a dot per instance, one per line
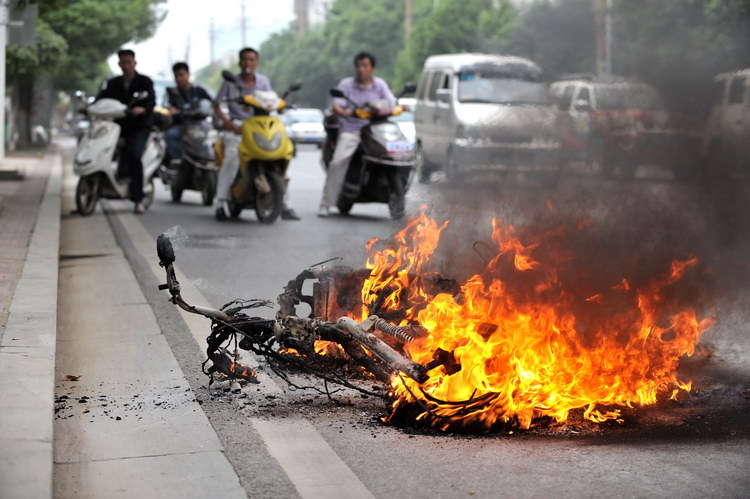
(309, 462)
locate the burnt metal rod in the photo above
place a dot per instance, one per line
(382, 351)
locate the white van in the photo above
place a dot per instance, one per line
(728, 128)
(483, 112)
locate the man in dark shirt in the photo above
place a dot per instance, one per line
(178, 98)
(136, 124)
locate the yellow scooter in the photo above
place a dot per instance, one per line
(265, 151)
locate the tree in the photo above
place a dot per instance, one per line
(675, 45)
(454, 26)
(74, 39)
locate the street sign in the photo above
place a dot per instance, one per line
(22, 25)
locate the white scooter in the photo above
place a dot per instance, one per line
(98, 155)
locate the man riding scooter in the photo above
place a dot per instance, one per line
(358, 90)
(189, 159)
(185, 92)
(248, 80)
(136, 124)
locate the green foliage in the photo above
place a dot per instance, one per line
(321, 58)
(454, 26)
(28, 60)
(75, 37)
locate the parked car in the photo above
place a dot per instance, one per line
(305, 125)
(727, 137)
(405, 120)
(479, 112)
(618, 123)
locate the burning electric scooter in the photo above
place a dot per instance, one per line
(533, 337)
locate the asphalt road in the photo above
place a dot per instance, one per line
(696, 448)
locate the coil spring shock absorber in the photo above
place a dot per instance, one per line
(396, 331)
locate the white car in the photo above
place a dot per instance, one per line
(727, 138)
(405, 120)
(305, 125)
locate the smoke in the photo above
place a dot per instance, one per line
(614, 229)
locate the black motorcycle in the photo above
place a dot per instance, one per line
(195, 169)
(381, 168)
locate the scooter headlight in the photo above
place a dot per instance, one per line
(265, 144)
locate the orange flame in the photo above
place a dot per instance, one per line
(241, 370)
(526, 346)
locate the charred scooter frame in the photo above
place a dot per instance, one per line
(380, 170)
(272, 338)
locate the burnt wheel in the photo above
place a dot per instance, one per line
(87, 194)
(268, 205)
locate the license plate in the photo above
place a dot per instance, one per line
(400, 146)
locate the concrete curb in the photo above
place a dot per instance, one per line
(27, 357)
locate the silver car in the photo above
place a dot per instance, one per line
(305, 125)
(479, 112)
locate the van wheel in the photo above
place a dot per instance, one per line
(87, 194)
(423, 172)
(715, 164)
(451, 168)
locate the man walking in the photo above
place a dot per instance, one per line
(136, 124)
(248, 80)
(360, 89)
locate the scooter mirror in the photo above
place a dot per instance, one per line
(228, 76)
(335, 92)
(295, 86)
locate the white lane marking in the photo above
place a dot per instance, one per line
(310, 463)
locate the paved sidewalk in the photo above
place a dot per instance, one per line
(127, 423)
(29, 241)
(19, 205)
(82, 358)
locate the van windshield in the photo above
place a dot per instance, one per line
(500, 90)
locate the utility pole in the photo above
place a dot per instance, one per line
(603, 19)
(4, 18)
(211, 39)
(608, 37)
(408, 20)
(300, 10)
(187, 50)
(242, 21)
